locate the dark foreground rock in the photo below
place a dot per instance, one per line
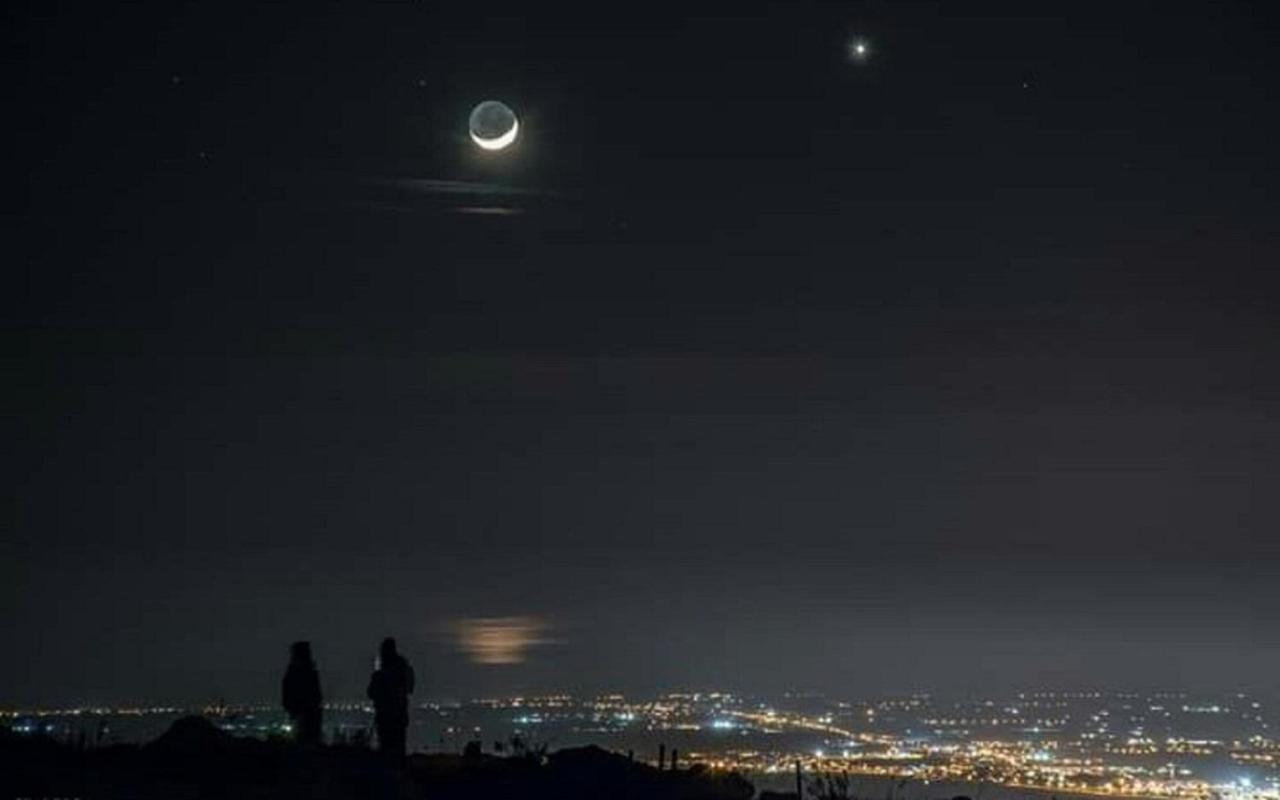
(196, 760)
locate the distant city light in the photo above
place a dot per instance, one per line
(967, 742)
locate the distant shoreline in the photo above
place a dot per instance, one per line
(879, 786)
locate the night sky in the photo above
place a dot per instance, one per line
(956, 367)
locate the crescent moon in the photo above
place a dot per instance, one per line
(498, 142)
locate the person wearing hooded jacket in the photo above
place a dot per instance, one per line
(389, 689)
(300, 694)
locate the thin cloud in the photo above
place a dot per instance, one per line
(446, 187)
(500, 640)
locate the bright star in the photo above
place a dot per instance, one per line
(859, 50)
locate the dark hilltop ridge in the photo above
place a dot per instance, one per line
(194, 759)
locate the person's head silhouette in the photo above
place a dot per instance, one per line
(388, 648)
(300, 651)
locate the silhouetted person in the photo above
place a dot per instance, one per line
(389, 689)
(300, 691)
